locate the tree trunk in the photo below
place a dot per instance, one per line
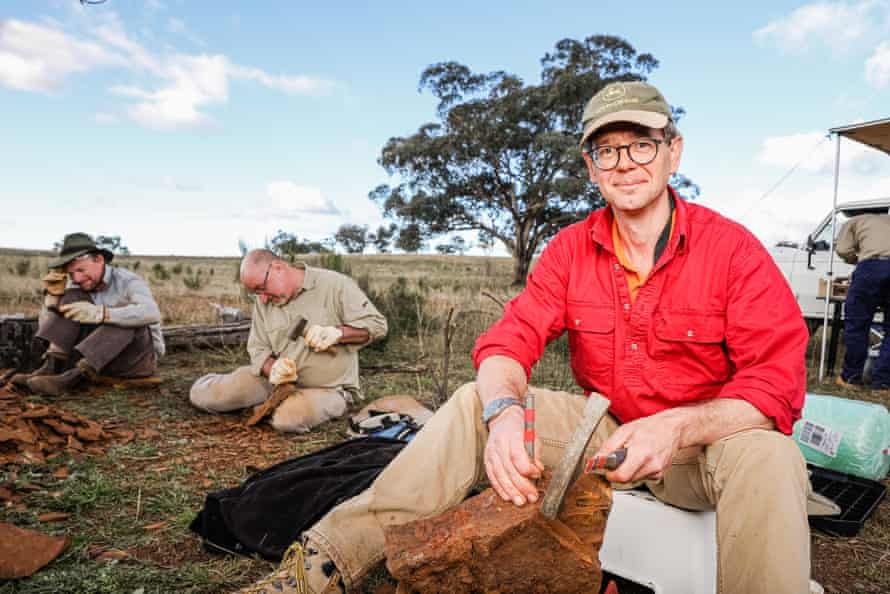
(522, 260)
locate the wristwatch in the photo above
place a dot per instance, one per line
(497, 406)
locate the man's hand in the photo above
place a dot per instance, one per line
(321, 338)
(54, 282)
(284, 371)
(84, 312)
(651, 444)
(506, 463)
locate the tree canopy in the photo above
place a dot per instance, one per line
(503, 157)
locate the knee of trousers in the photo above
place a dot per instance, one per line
(765, 462)
(466, 397)
(224, 392)
(202, 394)
(74, 294)
(307, 409)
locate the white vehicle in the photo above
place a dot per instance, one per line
(806, 262)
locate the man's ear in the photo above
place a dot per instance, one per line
(676, 149)
(591, 168)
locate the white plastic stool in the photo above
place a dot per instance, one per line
(666, 549)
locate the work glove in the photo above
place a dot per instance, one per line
(321, 338)
(84, 312)
(54, 282)
(283, 371)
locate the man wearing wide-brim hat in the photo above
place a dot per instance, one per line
(98, 319)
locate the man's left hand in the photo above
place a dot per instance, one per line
(651, 444)
(321, 338)
(84, 312)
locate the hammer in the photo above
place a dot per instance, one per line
(299, 330)
(594, 410)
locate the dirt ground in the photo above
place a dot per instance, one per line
(153, 486)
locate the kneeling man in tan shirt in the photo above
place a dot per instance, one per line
(325, 359)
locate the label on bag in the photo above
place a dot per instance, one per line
(821, 438)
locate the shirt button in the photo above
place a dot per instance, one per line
(690, 333)
(617, 266)
(633, 346)
(626, 306)
(577, 322)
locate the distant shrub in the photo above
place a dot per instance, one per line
(402, 306)
(194, 282)
(22, 267)
(335, 262)
(136, 265)
(211, 272)
(177, 268)
(159, 272)
(188, 269)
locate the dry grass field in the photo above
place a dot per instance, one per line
(130, 509)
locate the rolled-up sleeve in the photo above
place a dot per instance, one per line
(141, 309)
(766, 338)
(358, 311)
(258, 346)
(534, 317)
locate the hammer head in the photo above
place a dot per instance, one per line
(299, 328)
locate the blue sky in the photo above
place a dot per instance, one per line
(186, 126)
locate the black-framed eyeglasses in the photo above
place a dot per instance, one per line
(642, 152)
(262, 287)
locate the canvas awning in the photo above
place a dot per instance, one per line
(875, 134)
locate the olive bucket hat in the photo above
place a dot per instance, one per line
(636, 102)
(75, 245)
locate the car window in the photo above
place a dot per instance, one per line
(821, 238)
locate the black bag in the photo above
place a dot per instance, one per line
(269, 510)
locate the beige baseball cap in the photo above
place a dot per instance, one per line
(636, 102)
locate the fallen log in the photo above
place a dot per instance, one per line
(206, 335)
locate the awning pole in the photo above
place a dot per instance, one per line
(830, 279)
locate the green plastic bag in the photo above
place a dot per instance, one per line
(848, 436)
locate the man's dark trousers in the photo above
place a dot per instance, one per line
(869, 289)
(110, 350)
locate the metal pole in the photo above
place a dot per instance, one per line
(830, 279)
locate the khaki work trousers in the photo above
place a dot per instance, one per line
(308, 407)
(756, 480)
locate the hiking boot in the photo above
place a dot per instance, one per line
(54, 385)
(849, 384)
(52, 365)
(304, 570)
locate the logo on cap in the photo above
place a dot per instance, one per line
(614, 93)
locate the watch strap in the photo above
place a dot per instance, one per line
(497, 406)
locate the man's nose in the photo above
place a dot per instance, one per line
(624, 160)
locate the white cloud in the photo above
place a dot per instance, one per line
(193, 82)
(812, 152)
(178, 27)
(293, 85)
(40, 58)
(837, 25)
(877, 67)
(180, 87)
(105, 118)
(289, 199)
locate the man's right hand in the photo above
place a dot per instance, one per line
(506, 462)
(283, 371)
(54, 282)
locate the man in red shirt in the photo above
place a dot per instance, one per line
(678, 316)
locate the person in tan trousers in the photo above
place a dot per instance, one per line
(675, 314)
(323, 363)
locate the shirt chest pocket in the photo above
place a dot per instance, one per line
(689, 348)
(591, 342)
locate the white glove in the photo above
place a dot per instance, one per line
(283, 371)
(321, 338)
(84, 312)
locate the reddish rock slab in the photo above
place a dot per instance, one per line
(22, 552)
(487, 545)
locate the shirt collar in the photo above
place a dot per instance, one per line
(600, 224)
(310, 276)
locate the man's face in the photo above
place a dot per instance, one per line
(629, 186)
(87, 271)
(269, 284)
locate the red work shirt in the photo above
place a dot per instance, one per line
(714, 319)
